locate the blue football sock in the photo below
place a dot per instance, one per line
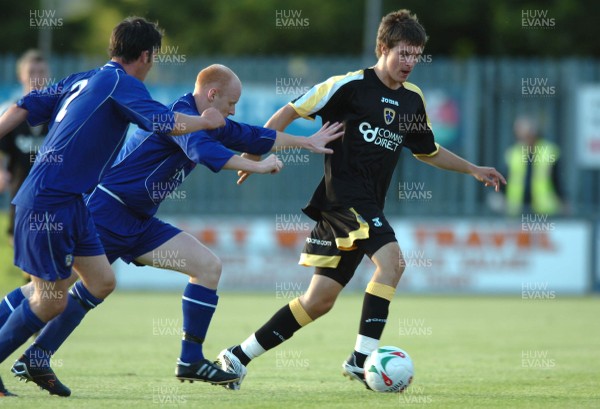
(21, 324)
(198, 304)
(58, 330)
(9, 303)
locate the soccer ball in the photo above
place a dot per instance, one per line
(388, 369)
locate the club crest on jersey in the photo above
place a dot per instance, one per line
(68, 260)
(388, 115)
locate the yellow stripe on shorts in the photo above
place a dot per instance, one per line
(314, 260)
(347, 243)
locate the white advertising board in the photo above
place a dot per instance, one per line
(588, 126)
(534, 257)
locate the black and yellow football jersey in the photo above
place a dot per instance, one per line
(378, 122)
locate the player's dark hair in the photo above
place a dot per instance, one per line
(133, 36)
(398, 26)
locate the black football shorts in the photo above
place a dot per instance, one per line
(342, 237)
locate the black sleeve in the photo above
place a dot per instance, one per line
(419, 138)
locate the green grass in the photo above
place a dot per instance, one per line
(468, 353)
(10, 276)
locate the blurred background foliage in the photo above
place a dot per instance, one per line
(457, 28)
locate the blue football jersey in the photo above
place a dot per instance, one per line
(151, 165)
(89, 115)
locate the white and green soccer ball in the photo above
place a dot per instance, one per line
(389, 369)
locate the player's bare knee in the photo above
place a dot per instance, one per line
(103, 287)
(391, 271)
(400, 267)
(206, 272)
(109, 285)
(210, 271)
(47, 305)
(394, 272)
(215, 267)
(325, 306)
(317, 306)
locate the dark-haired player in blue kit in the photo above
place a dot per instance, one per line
(54, 232)
(148, 168)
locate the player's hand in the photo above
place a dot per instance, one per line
(271, 164)
(243, 175)
(327, 133)
(212, 118)
(489, 177)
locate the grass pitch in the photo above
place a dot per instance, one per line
(469, 352)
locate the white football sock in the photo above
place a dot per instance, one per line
(252, 348)
(365, 345)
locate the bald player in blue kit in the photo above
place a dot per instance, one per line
(148, 168)
(54, 232)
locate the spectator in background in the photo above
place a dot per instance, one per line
(533, 185)
(19, 147)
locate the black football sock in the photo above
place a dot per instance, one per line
(278, 329)
(373, 319)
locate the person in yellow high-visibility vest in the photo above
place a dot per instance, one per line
(532, 172)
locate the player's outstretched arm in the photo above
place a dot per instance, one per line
(243, 174)
(184, 124)
(279, 121)
(282, 118)
(271, 164)
(11, 118)
(444, 159)
(314, 143)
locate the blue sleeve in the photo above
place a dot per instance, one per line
(40, 104)
(245, 138)
(203, 149)
(133, 100)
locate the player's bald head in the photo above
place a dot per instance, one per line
(216, 76)
(217, 87)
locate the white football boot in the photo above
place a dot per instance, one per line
(230, 363)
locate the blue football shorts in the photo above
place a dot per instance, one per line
(47, 241)
(124, 233)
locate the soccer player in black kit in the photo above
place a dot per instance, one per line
(382, 113)
(21, 144)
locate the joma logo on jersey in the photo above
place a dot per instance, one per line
(388, 115)
(389, 101)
